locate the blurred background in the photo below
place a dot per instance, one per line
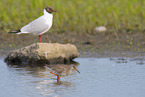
(110, 34)
(76, 22)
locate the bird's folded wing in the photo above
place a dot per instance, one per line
(36, 27)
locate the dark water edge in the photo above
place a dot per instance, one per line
(95, 54)
(109, 54)
(118, 57)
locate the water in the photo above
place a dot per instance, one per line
(99, 77)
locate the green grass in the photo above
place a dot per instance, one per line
(80, 16)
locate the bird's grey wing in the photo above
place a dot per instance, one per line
(36, 27)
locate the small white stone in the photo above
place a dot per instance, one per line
(101, 29)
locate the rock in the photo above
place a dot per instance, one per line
(41, 53)
(101, 29)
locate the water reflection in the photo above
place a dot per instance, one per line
(49, 87)
(43, 81)
(37, 71)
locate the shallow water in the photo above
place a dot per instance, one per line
(99, 77)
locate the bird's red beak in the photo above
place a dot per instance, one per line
(76, 69)
(53, 10)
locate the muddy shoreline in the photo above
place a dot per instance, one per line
(89, 45)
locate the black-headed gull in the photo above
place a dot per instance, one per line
(40, 25)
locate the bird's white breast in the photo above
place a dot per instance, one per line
(48, 21)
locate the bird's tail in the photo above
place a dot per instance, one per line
(17, 31)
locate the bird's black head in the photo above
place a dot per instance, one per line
(49, 10)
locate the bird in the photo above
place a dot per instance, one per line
(61, 70)
(40, 25)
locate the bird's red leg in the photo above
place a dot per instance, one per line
(58, 77)
(40, 38)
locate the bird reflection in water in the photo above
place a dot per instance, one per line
(61, 70)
